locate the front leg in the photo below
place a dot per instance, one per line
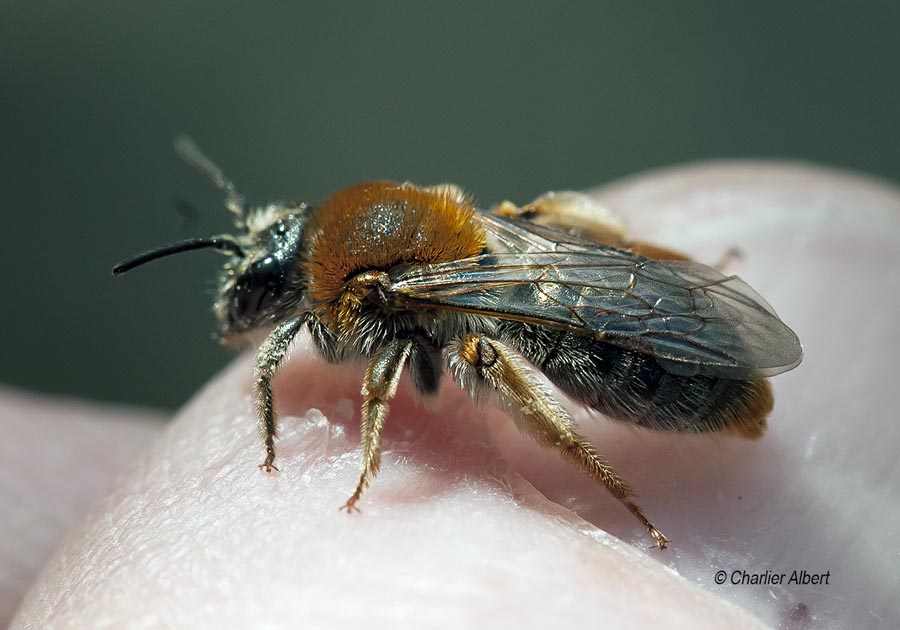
(268, 360)
(379, 386)
(478, 362)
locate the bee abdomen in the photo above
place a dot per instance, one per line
(634, 387)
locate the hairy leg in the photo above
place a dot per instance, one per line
(478, 361)
(379, 386)
(268, 359)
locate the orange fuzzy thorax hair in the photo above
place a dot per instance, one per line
(377, 225)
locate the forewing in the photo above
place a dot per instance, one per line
(690, 316)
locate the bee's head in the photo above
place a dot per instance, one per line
(262, 283)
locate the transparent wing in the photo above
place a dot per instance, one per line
(690, 316)
(515, 235)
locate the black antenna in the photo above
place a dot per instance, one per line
(221, 243)
(188, 150)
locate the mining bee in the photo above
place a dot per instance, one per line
(419, 279)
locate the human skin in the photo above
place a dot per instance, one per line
(470, 522)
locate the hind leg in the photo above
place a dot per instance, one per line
(479, 362)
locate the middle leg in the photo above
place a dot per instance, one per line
(379, 386)
(477, 361)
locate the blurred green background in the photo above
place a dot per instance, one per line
(295, 100)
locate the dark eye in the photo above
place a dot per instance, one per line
(259, 286)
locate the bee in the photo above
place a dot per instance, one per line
(420, 279)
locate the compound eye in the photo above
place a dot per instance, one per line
(261, 284)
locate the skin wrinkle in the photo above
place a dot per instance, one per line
(472, 549)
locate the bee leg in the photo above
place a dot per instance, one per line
(730, 256)
(268, 359)
(379, 386)
(656, 252)
(477, 361)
